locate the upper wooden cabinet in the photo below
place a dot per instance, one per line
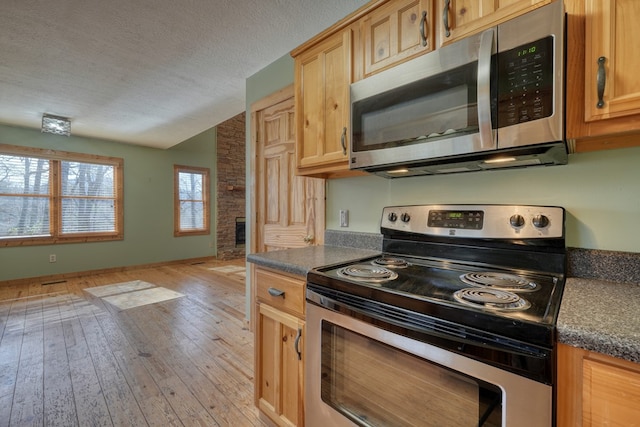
(596, 390)
(603, 91)
(395, 32)
(463, 17)
(379, 35)
(322, 78)
(612, 86)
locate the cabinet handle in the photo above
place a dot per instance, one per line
(275, 292)
(296, 343)
(602, 81)
(423, 28)
(308, 239)
(445, 18)
(343, 141)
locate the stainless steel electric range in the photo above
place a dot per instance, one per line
(453, 324)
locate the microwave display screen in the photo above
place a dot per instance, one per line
(525, 90)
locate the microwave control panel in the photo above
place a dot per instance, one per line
(525, 79)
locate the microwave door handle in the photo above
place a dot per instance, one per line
(484, 90)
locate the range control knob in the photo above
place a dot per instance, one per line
(540, 221)
(405, 217)
(516, 220)
(393, 217)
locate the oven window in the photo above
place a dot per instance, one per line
(374, 384)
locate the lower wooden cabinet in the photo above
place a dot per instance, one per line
(596, 390)
(279, 359)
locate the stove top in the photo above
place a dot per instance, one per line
(455, 284)
(495, 269)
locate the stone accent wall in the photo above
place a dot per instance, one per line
(230, 169)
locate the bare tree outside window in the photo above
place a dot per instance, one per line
(191, 197)
(24, 196)
(49, 196)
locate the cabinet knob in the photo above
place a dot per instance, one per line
(274, 292)
(601, 79)
(296, 344)
(308, 239)
(343, 141)
(445, 18)
(423, 28)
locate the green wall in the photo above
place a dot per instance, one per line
(148, 207)
(599, 190)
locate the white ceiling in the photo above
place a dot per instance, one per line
(147, 72)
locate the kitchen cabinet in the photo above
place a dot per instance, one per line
(596, 390)
(603, 93)
(279, 334)
(463, 17)
(322, 78)
(396, 32)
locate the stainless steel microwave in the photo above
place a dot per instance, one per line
(491, 100)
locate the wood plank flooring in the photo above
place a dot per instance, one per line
(68, 358)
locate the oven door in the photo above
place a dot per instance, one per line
(357, 374)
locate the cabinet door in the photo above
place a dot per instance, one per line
(612, 87)
(396, 32)
(596, 390)
(322, 103)
(463, 17)
(279, 366)
(602, 28)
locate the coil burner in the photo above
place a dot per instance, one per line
(367, 273)
(492, 299)
(390, 262)
(502, 281)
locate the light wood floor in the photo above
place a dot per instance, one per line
(70, 359)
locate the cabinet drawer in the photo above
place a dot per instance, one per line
(270, 284)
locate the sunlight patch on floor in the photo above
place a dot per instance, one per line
(233, 269)
(118, 288)
(133, 294)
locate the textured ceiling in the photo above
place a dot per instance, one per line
(147, 72)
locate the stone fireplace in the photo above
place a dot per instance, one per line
(230, 173)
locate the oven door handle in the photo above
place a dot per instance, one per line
(455, 341)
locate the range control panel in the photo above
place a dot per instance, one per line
(477, 221)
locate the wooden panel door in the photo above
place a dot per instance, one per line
(322, 78)
(279, 366)
(612, 36)
(396, 32)
(289, 208)
(463, 17)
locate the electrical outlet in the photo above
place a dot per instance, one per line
(344, 218)
(52, 258)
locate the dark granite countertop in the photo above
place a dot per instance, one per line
(601, 316)
(300, 261)
(597, 315)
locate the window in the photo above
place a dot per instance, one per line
(49, 196)
(191, 201)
